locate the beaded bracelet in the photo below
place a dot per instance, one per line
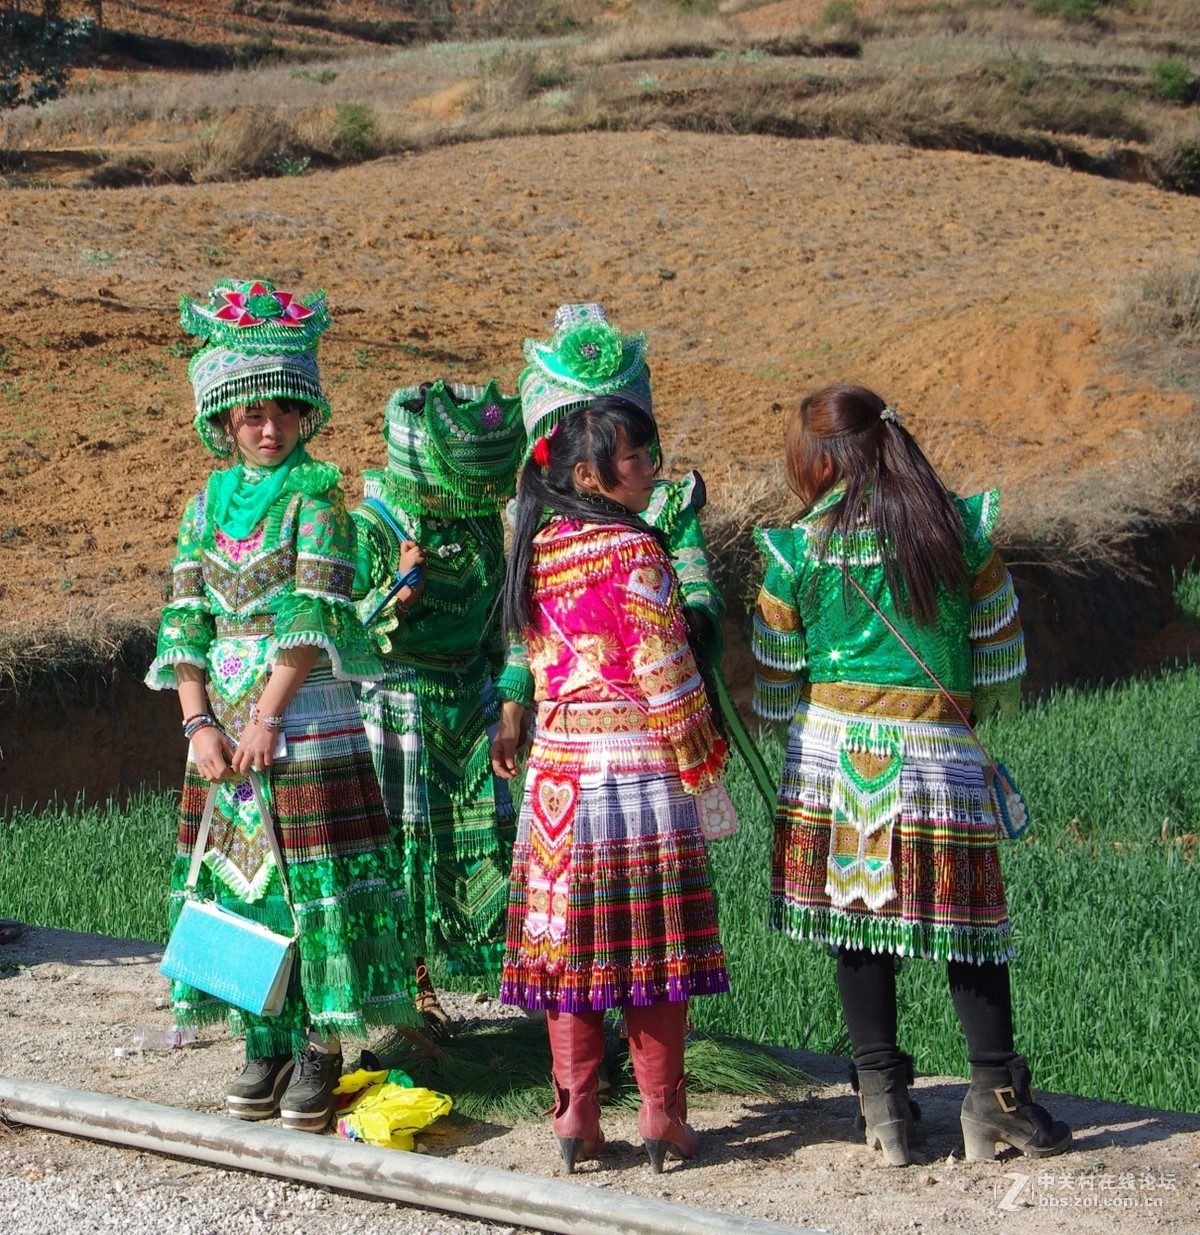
(194, 724)
(272, 724)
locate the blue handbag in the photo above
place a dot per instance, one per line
(222, 953)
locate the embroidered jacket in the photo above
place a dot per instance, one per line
(607, 626)
(672, 511)
(811, 626)
(236, 604)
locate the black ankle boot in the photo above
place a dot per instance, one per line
(887, 1115)
(1000, 1107)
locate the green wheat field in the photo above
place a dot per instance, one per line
(1103, 895)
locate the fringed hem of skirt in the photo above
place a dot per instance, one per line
(284, 1035)
(976, 945)
(580, 992)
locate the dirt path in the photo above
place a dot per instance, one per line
(967, 289)
(792, 1159)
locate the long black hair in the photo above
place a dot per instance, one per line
(918, 527)
(589, 434)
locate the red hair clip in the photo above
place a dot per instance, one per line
(541, 450)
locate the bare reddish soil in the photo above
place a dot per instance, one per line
(971, 291)
(968, 290)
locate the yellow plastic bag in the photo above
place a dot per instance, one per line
(386, 1108)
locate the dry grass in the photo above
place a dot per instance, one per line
(1180, 17)
(1154, 328)
(984, 77)
(756, 500)
(664, 32)
(80, 657)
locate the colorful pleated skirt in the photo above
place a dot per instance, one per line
(344, 874)
(885, 832)
(610, 901)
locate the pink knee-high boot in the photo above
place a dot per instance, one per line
(656, 1038)
(577, 1050)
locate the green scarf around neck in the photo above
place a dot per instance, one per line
(239, 497)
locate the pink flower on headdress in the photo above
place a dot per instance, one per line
(492, 415)
(257, 304)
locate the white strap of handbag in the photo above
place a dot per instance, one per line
(268, 821)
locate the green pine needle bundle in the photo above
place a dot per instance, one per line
(499, 1071)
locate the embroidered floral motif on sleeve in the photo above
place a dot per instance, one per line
(678, 706)
(651, 597)
(187, 583)
(323, 577)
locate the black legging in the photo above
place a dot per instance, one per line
(867, 984)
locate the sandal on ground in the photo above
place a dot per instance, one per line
(437, 1020)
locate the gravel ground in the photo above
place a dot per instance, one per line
(68, 1002)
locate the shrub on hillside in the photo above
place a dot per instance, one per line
(1070, 10)
(1174, 82)
(840, 13)
(243, 147)
(353, 131)
(515, 74)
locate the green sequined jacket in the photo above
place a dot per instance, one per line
(286, 585)
(457, 618)
(810, 625)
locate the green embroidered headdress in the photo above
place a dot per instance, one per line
(452, 449)
(259, 344)
(586, 357)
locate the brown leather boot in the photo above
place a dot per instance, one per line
(576, 1049)
(656, 1038)
(888, 1114)
(999, 1106)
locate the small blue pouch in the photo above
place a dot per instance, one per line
(222, 953)
(1012, 815)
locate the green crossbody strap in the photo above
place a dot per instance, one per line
(933, 677)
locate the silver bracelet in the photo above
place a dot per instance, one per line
(272, 724)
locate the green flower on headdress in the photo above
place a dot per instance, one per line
(591, 352)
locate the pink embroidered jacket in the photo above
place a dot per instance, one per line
(607, 626)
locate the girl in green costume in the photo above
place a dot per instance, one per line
(263, 644)
(885, 617)
(452, 455)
